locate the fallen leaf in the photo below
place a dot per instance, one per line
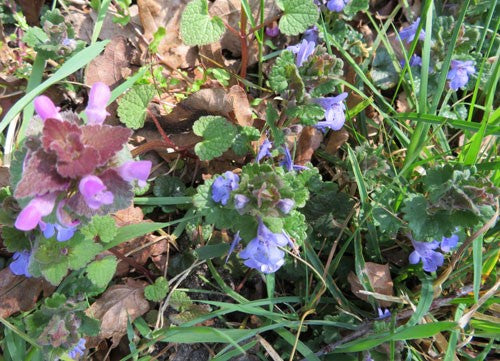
(335, 140)
(309, 140)
(130, 215)
(112, 66)
(167, 13)
(380, 280)
(117, 305)
(18, 293)
(31, 10)
(240, 106)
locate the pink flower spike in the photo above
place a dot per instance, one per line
(132, 170)
(45, 108)
(32, 214)
(94, 192)
(96, 107)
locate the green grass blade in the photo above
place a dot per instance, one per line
(426, 298)
(162, 201)
(363, 193)
(477, 259)
(101, 15)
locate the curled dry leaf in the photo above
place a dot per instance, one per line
(335, 140)
(118, 304)
(167, 13)
(309, 140)
(18, 293)
(380, 280)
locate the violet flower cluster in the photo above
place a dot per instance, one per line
(334, 112)
(77, 351)
(459, 73)
(72, 169)
(409, 33)
(262, 252)
(426, 252)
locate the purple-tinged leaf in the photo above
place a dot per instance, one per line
(40, 176)
(106, 139)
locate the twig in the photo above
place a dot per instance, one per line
(133, 263)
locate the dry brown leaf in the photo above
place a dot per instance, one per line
(118, 304)
(18, 293)
(31, 10)
(167, 13)
(380, 280)
(112, 66)
(309, 140)
(240, 105)
(335, 140)
(130, 215)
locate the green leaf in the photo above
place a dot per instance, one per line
(133, 105)
(103, 227)
(157, 37)
(296, 227)
(101, 272)
(218, 135)
(14, 240)
(284, 75)
(82, 252)
(271, 120)
(197, 27)
(180, 300)
(355, 6)
(308, 114)
(35, 36)
(383, 73)
(157, 291)
(241, 144)
(298, 16)
(90, 326)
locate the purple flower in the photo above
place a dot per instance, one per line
(45, 108)
(311, 34)
(223, 186)
(415, 60)
(288, 162)
(285, 205)
(94, 192)
(336, 5)
(459, 73)
(78, 350)
(234, 243)
(383, 314)
(32, 214)
(424, 251)
(262, 253)
(63, 233)
(240, 201)
(408, 33)
(272, 31)
(303, 50)
(264, 150)
(334, 112)
(449, 243)
(68, 42)
(132, 170)
(96, 107)
(64, 218)
(21, 262)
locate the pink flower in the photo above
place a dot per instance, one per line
(132, 170)
(96, 107)
(94, 192)
(32, 214)
(45, 108)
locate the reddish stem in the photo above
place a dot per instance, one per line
(133, 263)
(164, 135)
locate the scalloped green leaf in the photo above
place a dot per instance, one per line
(133, 105)
(298, 16)
(101, 272)
(157, 291)
(218, 135)
(197, 27)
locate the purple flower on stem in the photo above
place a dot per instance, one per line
(288, 162)
(264, 150)
(459, 73)
(94, 192)
(424, 251)
(449, 243)
(223, 186)
(409, 32)
(383, 313)
(63, 233)
(334, 112)
(272, 31)
(262, 253)
(285, 205)
(78, 350)
(240, 201)
(45, 108)
(311, 34)
(32, 214)
(132, 170)
(234, 243)
(336, 5)
(96, 107)
(415, 60)
(303, 50)
(20, 263)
